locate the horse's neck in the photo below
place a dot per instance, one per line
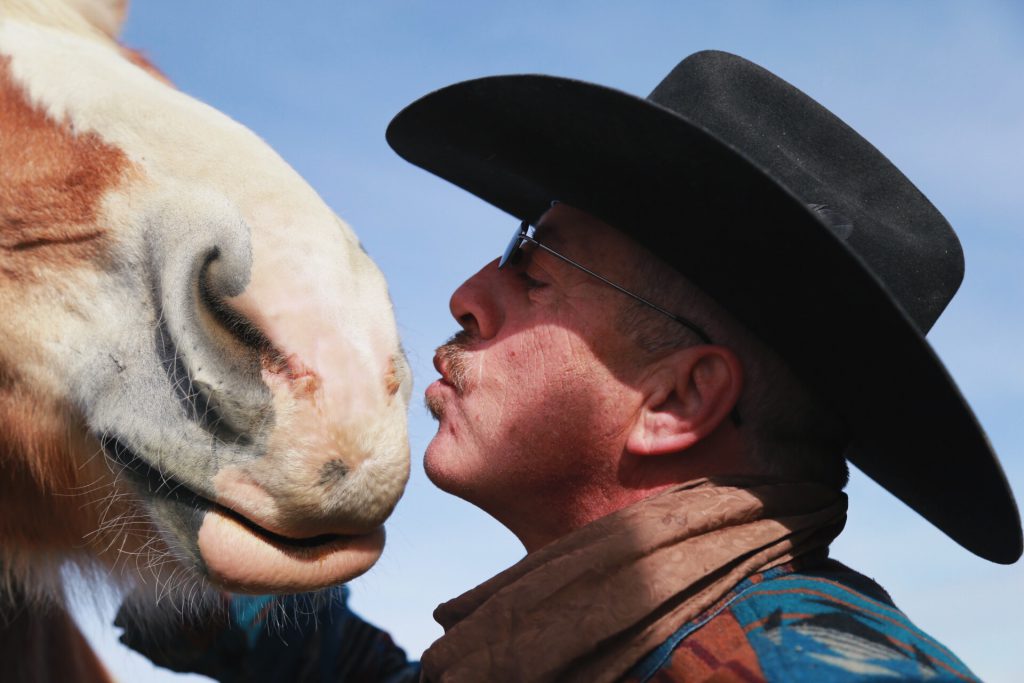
(43, 644)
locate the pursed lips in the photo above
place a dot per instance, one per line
(441, 365)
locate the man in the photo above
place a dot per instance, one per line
(725, 293)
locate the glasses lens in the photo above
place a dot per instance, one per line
(512, 250)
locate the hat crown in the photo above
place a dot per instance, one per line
(852, 187)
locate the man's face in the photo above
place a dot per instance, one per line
(536, 393)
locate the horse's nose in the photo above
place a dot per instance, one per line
(280, 343)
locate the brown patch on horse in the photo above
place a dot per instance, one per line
(52, 183)
(41, 643)
(55, 484)
(43, 485)
(392, 380)
(60, 497)
(140, 60)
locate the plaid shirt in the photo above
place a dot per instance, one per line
(822, 624)
(828, 623)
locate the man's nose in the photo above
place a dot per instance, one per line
(476, 304)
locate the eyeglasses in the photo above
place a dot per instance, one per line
(514, 251)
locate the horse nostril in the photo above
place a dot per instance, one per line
(233, 322)
(212, 355)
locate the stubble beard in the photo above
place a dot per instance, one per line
(454, 355)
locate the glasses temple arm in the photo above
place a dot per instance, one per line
(682, 321)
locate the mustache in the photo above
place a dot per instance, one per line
(454, 355)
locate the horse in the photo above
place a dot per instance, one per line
(202, 387)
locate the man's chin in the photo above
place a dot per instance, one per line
(440, 466)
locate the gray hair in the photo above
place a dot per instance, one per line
(789, 429)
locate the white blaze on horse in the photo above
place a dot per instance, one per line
(201, 382)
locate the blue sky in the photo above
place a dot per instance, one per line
(935, 85)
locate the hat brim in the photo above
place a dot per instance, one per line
(520, 142)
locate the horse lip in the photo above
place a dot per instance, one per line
(267, 534)
(116, 450)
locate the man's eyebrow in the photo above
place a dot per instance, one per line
(547, 234)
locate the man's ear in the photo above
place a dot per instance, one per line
(686, 397)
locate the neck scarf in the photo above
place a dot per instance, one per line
(590, 605)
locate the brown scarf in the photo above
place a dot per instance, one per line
(590, 605)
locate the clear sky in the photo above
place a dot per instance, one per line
(936, 86)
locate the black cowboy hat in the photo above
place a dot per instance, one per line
(779, 211)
